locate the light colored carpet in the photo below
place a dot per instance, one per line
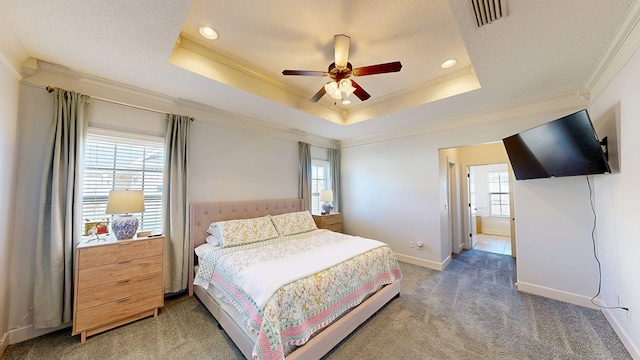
(469, 311)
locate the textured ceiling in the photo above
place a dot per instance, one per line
(541, 49)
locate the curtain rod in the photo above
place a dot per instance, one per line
(320, 146)
(50, 89)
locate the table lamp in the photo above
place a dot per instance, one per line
(123, 203)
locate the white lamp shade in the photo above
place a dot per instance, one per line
(125, 201)
(326, 195)
(333, 90)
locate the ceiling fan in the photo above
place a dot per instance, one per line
(341, 71)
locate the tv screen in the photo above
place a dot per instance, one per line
(567, 146)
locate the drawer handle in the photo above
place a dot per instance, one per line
(124, 262)
(124, 281)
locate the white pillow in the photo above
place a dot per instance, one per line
(213, 240)
(203, 249)
(294, 223)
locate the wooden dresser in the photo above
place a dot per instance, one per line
(331, 222)
(116, 282)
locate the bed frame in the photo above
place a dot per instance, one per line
(203, 214)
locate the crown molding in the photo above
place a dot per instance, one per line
(196, 58)
(44, 73)
(203, 61)
(621, 47)
(568, 100)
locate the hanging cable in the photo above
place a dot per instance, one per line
(595, 252)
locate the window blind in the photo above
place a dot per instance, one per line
(120, 161)
(319, 182)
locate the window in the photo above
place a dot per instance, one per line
(121, 161)
(498, 193)
(320, 180)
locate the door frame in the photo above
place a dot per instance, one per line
(454, 213)
(512, 199)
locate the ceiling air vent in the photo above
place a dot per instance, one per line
(488, 11)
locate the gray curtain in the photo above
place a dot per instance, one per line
(60, 216)
(304, 172)
(334, 164)
(176, 203)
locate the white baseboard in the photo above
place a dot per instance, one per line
(495, 232)
(556, 294)
(424, 263)
(28, 332)
(627, 341)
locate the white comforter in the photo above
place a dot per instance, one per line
(261, 280)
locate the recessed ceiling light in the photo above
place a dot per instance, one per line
(448, 63)
(207, 32)
(346, 102)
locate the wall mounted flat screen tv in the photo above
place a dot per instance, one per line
(568, 146)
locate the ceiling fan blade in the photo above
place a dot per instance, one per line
(341, 45)
(318, 95)
(378, 69)
(359, 92)
(304, 72)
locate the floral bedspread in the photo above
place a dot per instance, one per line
(300, 308)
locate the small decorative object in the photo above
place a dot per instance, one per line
(96, 227)
(125, 202)
(326, 197)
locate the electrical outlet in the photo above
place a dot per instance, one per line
(412, 244)
(629, 314)
(617, 300)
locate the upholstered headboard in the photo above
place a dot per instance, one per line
(201, 215)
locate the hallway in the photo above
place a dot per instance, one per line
(497, 244)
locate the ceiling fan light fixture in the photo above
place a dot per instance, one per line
(333, 90)
(448, 63)
(207, 32)
(346, 86)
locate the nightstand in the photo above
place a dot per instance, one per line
(116, 282)
(331, 222)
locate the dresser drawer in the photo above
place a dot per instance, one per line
(334, 227)
(109, 292)
(118, 252)
(117, 310)
(331, 219)
(104, 274)
(331, 222)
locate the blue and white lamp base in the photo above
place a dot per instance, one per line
(326, 208)
(124, 227)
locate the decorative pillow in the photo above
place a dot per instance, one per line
(294, 223)
(244, 231)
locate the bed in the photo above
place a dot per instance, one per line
(235, 317)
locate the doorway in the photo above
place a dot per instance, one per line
(490, 207)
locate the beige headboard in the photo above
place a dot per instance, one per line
(201, 215)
